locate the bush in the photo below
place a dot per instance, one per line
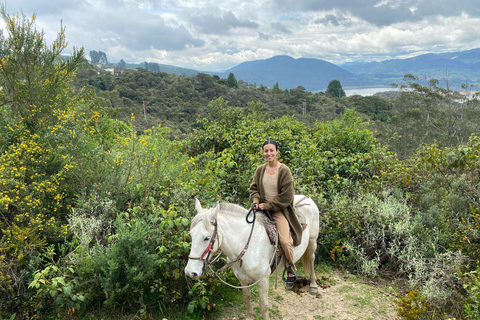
(141, 267)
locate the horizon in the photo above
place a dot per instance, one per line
(339, 65)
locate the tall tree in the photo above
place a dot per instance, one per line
(94, 56)
(335, 89)
(122, 64)
(232, 81)
(103, 57)
(98, 57)
(276, 87)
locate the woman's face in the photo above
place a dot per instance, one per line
(270, 152)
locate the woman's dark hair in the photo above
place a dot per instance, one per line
(270, 142)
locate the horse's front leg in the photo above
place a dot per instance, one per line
(263, 286)
(247, 297)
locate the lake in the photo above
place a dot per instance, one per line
(366, 91)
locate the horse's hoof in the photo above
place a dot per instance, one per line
(289, 285)
(313, 290)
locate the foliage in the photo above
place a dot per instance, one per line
(33, 74)
(232, 81)
(57, 288)
(98, 57)
(412, 307)
(94, 212)
(142, 267)
(423, 115)
(335, 89)
(472, 286)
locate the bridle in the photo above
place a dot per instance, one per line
(205, 256)
(209, 250)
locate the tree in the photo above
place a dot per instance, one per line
(231, 81)
(98, 57)
(276, 87)
(335, 89)
(122, 64)
(33, 74)
(94, 57)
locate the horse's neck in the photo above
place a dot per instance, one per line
(235, 232)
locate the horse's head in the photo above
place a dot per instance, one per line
(205, 240)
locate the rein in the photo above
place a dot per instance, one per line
(239, 257)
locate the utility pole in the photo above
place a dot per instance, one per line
(304, 107)
(144, 111)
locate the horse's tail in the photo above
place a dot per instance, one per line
(309, 255)
(307, 262)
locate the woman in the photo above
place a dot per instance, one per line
(272, 190)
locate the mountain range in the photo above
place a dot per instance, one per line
(452, 69)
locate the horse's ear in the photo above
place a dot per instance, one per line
(198, 206)
(212, 217)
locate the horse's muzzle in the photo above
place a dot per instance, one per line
(194, 269)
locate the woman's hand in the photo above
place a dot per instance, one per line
(259, 206)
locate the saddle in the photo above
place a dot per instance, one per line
(271, 227)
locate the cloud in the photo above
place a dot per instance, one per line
(328, 20)
(219, 22)
(214, 35)
(101, 25)
(267, 37)
(387, 12)
(278, 26)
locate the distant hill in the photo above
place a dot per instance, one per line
(157, 67)
(458, 67)
(313, 74)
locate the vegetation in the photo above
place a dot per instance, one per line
(98, 176)
(335, 89)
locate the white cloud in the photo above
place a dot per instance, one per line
(214, 35)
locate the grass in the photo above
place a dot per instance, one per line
(360, 299)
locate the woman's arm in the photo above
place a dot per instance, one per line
(254, 189)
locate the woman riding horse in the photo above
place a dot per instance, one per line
(272, 190)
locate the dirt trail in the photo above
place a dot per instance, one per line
(340, 297)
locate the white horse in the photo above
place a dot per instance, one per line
(225, 227)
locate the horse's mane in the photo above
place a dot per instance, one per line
(231, 209)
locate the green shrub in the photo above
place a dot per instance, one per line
(471, 283)
(57, 290)
(141, 267)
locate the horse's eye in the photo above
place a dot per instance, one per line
(206, 238)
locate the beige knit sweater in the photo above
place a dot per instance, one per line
(282, 202)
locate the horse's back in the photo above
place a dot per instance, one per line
(310, 210)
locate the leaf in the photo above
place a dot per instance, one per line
(61, 280)
(67, 290)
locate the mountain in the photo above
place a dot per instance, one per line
(312, 74)
(315, 74)
(458, 67)
(158, 67)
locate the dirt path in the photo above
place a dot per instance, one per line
(339, 297)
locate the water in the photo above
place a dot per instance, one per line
(366, 91)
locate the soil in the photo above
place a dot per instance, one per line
(340, 296)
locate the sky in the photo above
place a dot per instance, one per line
(215, 35)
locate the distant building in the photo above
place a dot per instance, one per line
(117, 72)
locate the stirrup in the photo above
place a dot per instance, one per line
(289, 279)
